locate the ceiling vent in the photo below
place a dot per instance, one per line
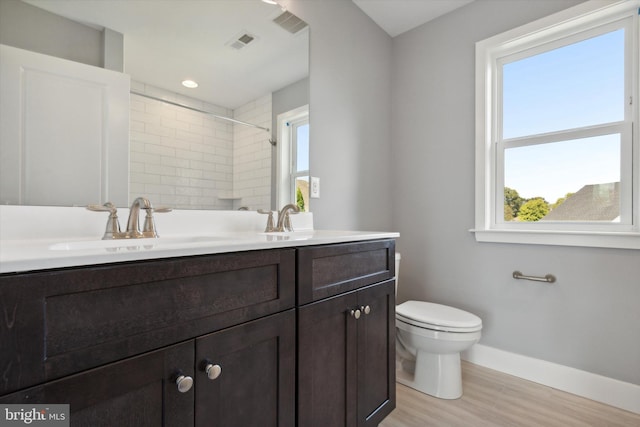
(290, 22)
(241, 40)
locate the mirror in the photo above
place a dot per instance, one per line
(247, 67)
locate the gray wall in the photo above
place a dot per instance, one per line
(350, 86)
(286, 99)
(49, 34)
(589, 319)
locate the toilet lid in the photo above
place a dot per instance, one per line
(437, 316)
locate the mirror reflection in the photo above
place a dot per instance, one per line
(250, 63)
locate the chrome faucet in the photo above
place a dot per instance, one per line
(284, 221)
(133, 223)
(270, 227)
(112, 230)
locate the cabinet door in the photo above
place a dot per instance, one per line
(346, 365)
(376, 354)
(327, 389)
(136, 392)
(252, 381)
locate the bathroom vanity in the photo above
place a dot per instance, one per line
(346, 333)
(287, 332)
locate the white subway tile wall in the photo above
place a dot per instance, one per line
(190, 160)
(252, 155)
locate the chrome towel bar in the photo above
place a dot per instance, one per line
(548, 278)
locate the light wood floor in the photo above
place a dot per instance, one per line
(492, 398)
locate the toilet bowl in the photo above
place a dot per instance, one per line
(429, 339)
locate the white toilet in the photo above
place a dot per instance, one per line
(429, 339)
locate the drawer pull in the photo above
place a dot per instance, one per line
(365, 309)
(184, 383)
(213, 371)
(355, 313)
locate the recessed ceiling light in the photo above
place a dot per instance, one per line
(190, 84)
(270, 1)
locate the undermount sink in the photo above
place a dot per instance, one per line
(146, 243)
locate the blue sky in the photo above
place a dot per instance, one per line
(573, 86)
(303, 148)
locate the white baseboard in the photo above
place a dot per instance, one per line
(592, 386)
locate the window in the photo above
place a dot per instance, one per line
(557, 151)
(299, 187)
(293, 158)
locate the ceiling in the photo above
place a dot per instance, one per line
(399, 16)
(166, 42)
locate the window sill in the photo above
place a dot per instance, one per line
(619, 240)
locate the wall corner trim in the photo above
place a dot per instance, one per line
(596, 387)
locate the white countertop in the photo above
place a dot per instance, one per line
(27, 255)
(25, 248)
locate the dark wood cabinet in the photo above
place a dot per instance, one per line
(327, 353)
(62, 322)
(376, 353)
(346, 342)
(328, 270)
(111, 340)
(254, 385)
(137, 392)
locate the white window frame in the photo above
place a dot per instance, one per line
(285, 190)
(566, 27)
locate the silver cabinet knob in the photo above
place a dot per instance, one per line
(355, 313)
(184, 383)
(213, 371)
(365, 309)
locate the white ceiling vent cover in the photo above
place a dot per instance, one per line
(290, 22)
(241, 40)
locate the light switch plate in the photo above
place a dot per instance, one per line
(315, 187)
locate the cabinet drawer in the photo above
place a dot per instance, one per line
(61, 322)
(324, 271)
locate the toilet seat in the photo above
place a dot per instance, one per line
(437, 317)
